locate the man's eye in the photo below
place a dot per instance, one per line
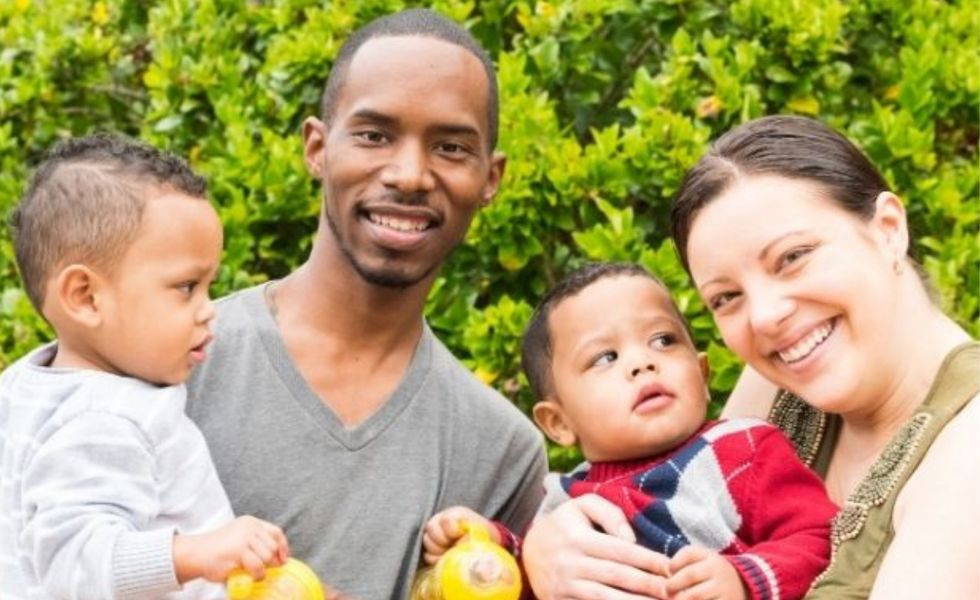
(603, 359)
(452, 148)
(372, 137)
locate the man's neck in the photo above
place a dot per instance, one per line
(328, 297)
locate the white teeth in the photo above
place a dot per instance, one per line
(398, 224)
(804, 347)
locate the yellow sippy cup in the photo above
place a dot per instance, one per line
(473, 569)
(292, 581)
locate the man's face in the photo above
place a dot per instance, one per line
(404, 162)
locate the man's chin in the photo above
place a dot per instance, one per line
(391, 278)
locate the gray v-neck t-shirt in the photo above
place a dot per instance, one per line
(353, 501)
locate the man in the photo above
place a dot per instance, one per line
(329, 406)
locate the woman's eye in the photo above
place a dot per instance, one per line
(662, 340)
(718, 301)
(603, 359)
(791, 256)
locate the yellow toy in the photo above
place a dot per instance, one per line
(292, 581)
(473, 569)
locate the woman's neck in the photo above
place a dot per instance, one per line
(906, 382)
(865, 433)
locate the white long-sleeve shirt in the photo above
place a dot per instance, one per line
(98, 472)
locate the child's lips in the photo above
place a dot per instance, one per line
(199, 352)
(652, 398)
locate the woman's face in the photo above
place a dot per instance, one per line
(801, 289)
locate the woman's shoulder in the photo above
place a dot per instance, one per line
(935, 547)
(951, 459)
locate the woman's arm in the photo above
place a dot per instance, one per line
(566, 558)
(937, 540)
(752, 397)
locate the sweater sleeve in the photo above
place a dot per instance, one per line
(89, 494)
(787, 526)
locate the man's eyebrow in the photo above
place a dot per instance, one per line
(454, 129)
(366, 114)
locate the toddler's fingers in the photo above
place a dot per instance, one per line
(266, 552)
(688, 555)
(702, 591)
(688, 577)
(253, 564)
(444, 530)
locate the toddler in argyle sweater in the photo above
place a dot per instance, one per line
(614, 368)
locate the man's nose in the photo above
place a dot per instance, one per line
(409, 170)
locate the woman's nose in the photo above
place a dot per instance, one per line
(769, 309)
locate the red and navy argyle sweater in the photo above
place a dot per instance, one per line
(736, 487)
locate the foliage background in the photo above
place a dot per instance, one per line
(605, 103)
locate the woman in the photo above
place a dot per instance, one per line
(803, 257)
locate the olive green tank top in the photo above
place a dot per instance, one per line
(863, 530)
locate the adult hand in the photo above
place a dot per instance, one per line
(567, 558)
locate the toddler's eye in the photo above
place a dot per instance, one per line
(187, 287)
(603, 359)
(662, 340)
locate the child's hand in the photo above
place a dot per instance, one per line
(443, 531)
(697, 573)
(246, 543)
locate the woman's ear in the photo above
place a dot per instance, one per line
(76, 291)
(551, 418)
(890, 223)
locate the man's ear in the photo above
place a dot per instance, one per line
(550, 417)
(498, 164)
(76, 290)
(314, 145)
(890, 222)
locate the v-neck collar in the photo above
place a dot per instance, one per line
(360, 435)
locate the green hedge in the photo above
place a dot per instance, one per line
(605, 103)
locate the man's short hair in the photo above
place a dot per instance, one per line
(414, 22)
(536, 349)
(85, 203)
